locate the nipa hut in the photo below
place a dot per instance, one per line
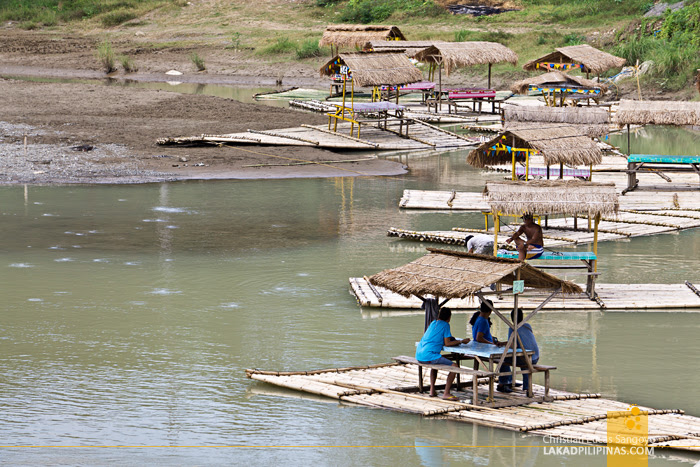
(576, 57)
(452, 55)
(657, 113)
(548, 197)
(410, 48)
(374, 68)
(570, 197)
(358, 35)
(555, 82)
(557, 143)
(593, 121)
(456, 274)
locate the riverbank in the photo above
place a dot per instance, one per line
(120, 125)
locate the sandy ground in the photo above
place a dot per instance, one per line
(122, 124)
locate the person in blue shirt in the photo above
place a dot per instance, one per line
(428, 350)
(481, 332)
(527, 337)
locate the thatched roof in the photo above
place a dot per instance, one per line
(593, 60)
(554, 78)
(459, 54)
(558, 143)
(375, 68)
(552, 197)
(657, 113)
(454, 274)
(410, 48)
(592, 121)
(358, 35)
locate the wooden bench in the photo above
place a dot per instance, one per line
(544, 369)
(475, 374)
(588, 258)
(651, 163)
(456, 99)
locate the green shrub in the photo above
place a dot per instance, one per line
(372, 11)
(461, 35)
(309, 48)
(128, 64)
(574, 39)
(105, 55)
(117, 17)
(282, 45)
(197, 61)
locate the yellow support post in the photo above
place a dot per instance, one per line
(496, 227)
(595, 242)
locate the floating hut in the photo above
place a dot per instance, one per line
(368, 69)
(357, 35)
(558, 84)
(452, 55)
(593, 121)
(553, 197)
(576, 57)
(410, 48)
(558, 143)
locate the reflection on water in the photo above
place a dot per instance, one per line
(130, 314)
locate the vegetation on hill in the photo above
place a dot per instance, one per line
(672, 41)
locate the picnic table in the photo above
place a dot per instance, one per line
(457, 98)
(382, 109)
(652, 163)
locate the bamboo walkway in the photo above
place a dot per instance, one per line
(393, 386)
(421, 135)
(610, 297)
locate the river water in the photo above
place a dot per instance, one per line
(131, 312)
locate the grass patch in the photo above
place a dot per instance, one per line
(51, 12)
(281, 46)
(198, 61)
(106, 57)
(373, 11)
(128, 64)
(309, 49)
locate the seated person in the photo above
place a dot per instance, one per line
(533, 247)
(435, 338)
(481, 325)
(480, 244)
(527, 337)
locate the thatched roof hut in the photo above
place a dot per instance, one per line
(573, 197)
(358, 35)
(554, 79)
(410, 48)
(584, 57)
(558, 143)
(657, 113)
(453, 55)
(375, 68)
(455, 274)
(592, 121)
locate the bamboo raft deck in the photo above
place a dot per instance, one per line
(393, 386)
(421, 136)
(413, 111)
(611, 297)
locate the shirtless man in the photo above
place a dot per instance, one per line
(533, 247)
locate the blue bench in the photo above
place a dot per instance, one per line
(588, 258)
(657, 164)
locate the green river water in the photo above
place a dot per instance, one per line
(130, 313)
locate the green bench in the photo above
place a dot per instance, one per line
(657, 164)
(588, 258)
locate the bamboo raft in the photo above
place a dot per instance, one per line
(393, 386)
(421, 136)
(610, 297)
(412, 111)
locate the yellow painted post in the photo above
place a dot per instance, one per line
(595, 241)
(496, 227)
(513, 177)
(527, 165)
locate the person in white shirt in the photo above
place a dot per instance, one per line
(480, 244)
